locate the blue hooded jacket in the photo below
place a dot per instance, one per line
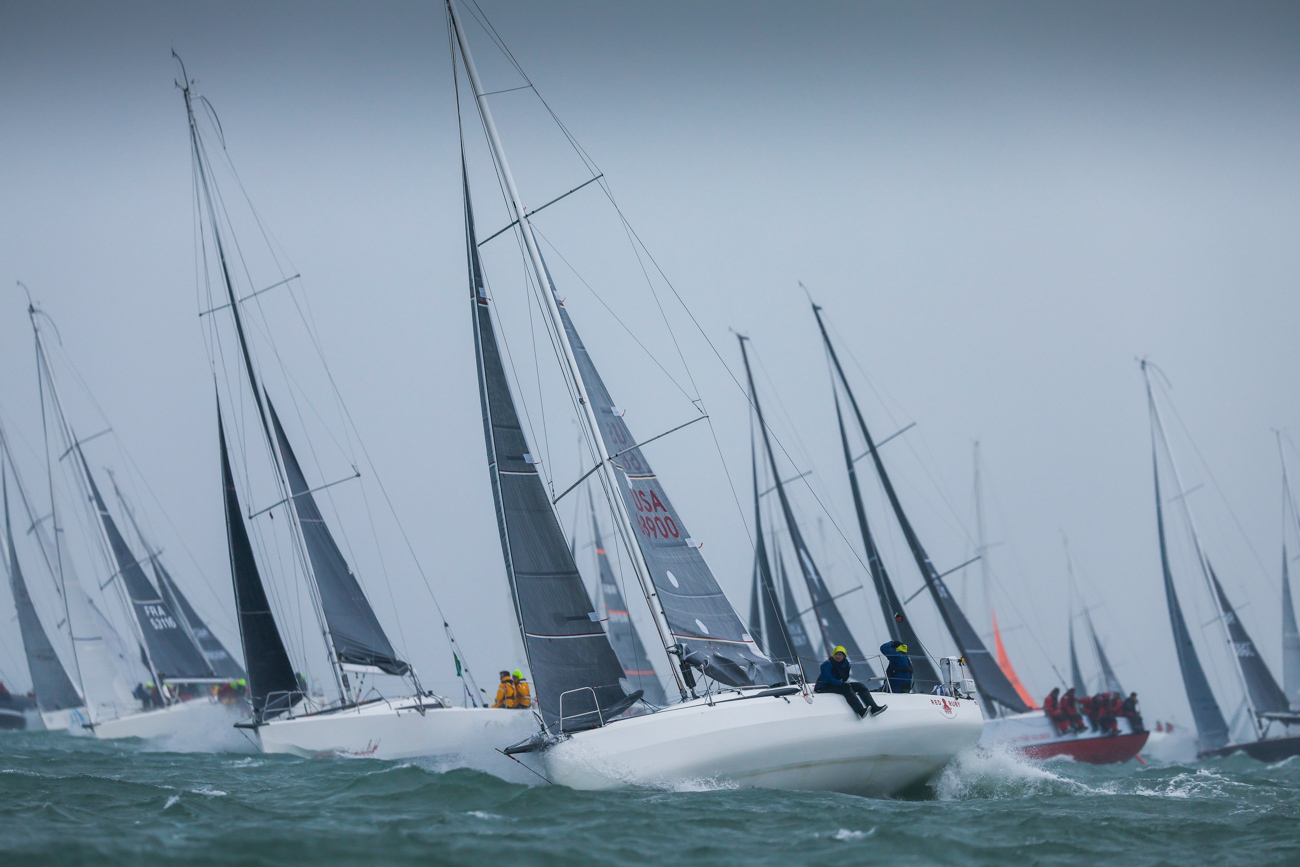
(899, 671)
(834, 672)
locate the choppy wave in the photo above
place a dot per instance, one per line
(79, 801)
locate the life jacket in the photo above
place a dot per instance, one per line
(522, 697)
(506, 696)
(1049, 706)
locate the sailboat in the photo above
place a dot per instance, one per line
(751, 726)
(362, 722)
(1265, 700)
(1290, 633)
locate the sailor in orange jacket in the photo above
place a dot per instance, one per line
(522, 697)
(506, 696)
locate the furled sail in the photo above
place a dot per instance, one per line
(830, 621)
(50, 681)
(1109, 682)
(924, 677)
(174, 656)
(354, 629)
(992, 684)
(700, 617)
(1004, 663)
(223, 664)
(575, 670)
(637, 666)
(272, 686)
(1290, 641)
(764, 605)
(1211, 728)
(1265, 695)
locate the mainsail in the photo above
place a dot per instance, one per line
(575, 670)
(834, 629)
(763, 603)
(1109, 682)
(1290, 641)
(1076, 676)
(50, 681)
(924, 677)
(172, 654)
(700, 617)
(992, 684)
(223, 664)
(354, 630)
(637, 666)
(272, 686)
(1265, 695)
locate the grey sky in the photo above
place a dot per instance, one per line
(999, 206)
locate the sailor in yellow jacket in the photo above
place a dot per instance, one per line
(522, 697)
(505, 692)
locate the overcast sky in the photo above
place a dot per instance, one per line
(999, 206)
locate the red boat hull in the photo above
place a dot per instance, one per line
(1094, 751)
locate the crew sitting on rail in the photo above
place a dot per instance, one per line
(522, 697)
(505, 692)
(1130, 710)
(834, 677)
(1106, 704)
(899, 671)
(1051, 707)
(1088, 708)
(1070, 711)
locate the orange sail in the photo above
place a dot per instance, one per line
(1004, 663)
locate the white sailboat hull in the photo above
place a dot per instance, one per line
(173, 719)
(779, 742)
(394, 730)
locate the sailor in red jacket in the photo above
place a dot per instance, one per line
(1053, 711)
(1070, 712)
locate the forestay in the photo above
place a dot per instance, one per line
(354, 630)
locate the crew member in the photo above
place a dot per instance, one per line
(522, 697)
(1089, 710)
(1103, 702)
(1051, 707)
(505, 692)
(899, 671)
(1130, 710)
(1070, 711)
(834, 677)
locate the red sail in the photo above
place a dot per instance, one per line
(1004, 663)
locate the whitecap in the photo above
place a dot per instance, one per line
(172, 801)
(846, 835)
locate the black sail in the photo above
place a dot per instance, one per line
(800, 643)
(1290, 640)
(765, 605)
(173, 654)
(900, 627)
(637, 666)
(272, 686)
(1076, 676)
(831, 623)
(354, 629)
(1265, 695)
(990, 680)
(755, 615)
(574, 668)
(1211, 728)
(1109, 682)
(50, 681)
(223, 664)
(699, 615)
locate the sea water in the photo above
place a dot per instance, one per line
(66, 800)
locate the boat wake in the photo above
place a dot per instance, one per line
(1000, 773)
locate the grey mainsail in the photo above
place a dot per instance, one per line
(223, 664)
(764, 605)
(575, 670)
(1076, 676)
(272, 686)
(1290, 641)
(50, 681)
(1211, 728)
(699, 615)
(1265, 695)
(171, 653)
(896, 621)
(354, 630)
(830, 621)
(637, 666)
(990, 681)
(1109, 682)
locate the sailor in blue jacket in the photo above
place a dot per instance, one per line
(834, 677)
(899, 671)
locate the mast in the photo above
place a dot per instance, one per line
(575, 381)
(990, 681)
(1290, 634)
(982, 551)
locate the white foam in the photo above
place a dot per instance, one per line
(846, 835)
(1000, 773)
(172, 801)
(479, 814)
(209, 791)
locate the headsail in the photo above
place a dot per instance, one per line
(1109, 682)
(1290, 641)
(50, 681)
(637, 665)
(834, 629)
(764, 604)
(701, 618)
(172, 654)
(223, 664)
(1076, 676)
(1004, 663)
(354, 631)
(272, 686)
(1265, 695)
(992, 684)
(574, 668)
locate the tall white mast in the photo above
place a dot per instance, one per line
(587, 412)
